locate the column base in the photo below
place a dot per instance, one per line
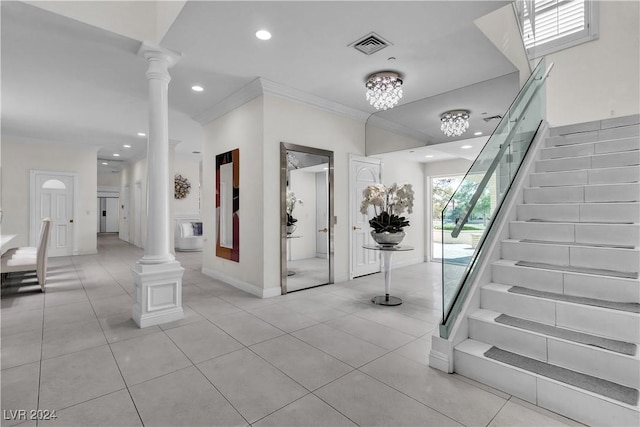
(157, 293)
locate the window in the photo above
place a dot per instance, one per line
(54, 184)
(551, 25)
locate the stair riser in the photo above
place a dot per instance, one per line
(629, 192)
(588, 360)
(612, 324)
(615, 122)
(591, 148)
(576, 284)
(629, 158)
(593, 361)
(622, 260)
(627, 174)
(577, 404)
(594, 135)
(613, 234)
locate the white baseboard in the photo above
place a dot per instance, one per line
(242, 285)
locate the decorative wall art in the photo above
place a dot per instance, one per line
(182, 187)
(227, 205)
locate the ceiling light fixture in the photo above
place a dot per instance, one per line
(263, 34)
(142, 134)
(478, 133)
(464, 147)
(105, 163)
(454, 122)
(197, 88)
(428, 156)
(116, 155)
(384, 89)
(126, 146)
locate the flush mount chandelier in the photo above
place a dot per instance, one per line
(455, 122)
(384, 89)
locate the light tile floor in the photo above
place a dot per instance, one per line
(320, 357)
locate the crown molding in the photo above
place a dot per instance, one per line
(394, 127)
(280, 90)
(245, 94)
(260, 86)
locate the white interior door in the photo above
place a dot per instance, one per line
(124, 233)
(363, 171)
(52, 197)
(111, 220)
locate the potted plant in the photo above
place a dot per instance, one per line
(388, 204)
(292, 200)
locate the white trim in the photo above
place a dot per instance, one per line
(260, 86)
(242, 285)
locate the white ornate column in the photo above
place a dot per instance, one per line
(157, 276)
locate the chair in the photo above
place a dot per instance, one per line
(24, 259)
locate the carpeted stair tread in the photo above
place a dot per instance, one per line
(595, 245)
(585, 270)
(569, 335)
(631, 307)
(596, 385)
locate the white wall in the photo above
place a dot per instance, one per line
(241, 128)
(599, 79)
(296, 123)
(132, 174)
(109, 179)
(19, 158)
(189, 167)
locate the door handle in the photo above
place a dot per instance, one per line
(71, 221)
(356, 228)
(324, 230)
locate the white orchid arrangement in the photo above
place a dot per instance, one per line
(291, 201)
(388, 203)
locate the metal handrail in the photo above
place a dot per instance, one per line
(494, 164)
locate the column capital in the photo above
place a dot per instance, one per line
(149, 51)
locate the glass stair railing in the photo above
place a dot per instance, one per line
(478, 198)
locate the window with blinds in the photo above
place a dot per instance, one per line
(551, 25)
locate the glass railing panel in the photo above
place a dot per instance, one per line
(469, 214)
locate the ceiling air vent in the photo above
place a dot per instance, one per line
(488, 119)
(369, 44)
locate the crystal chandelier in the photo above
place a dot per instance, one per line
(384, 89)
(455, 122)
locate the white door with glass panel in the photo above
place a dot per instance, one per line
(52, 196)
(363, 171)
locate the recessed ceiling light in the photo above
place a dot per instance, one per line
(428, 156)
(466, 146)
(478, 133)
(105, 163)
(263, 34)
(126, 146)
(142, 134)
(197, 88)
(116, 155)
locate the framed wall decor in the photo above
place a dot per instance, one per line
(227, 205)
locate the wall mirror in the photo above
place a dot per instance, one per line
(227, 205)
(306, 200)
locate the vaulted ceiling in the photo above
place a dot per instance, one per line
(65, 81)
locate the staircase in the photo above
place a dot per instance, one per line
(559, 325)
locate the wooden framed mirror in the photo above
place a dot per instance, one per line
(227, 205)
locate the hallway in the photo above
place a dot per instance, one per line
(323, 357)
